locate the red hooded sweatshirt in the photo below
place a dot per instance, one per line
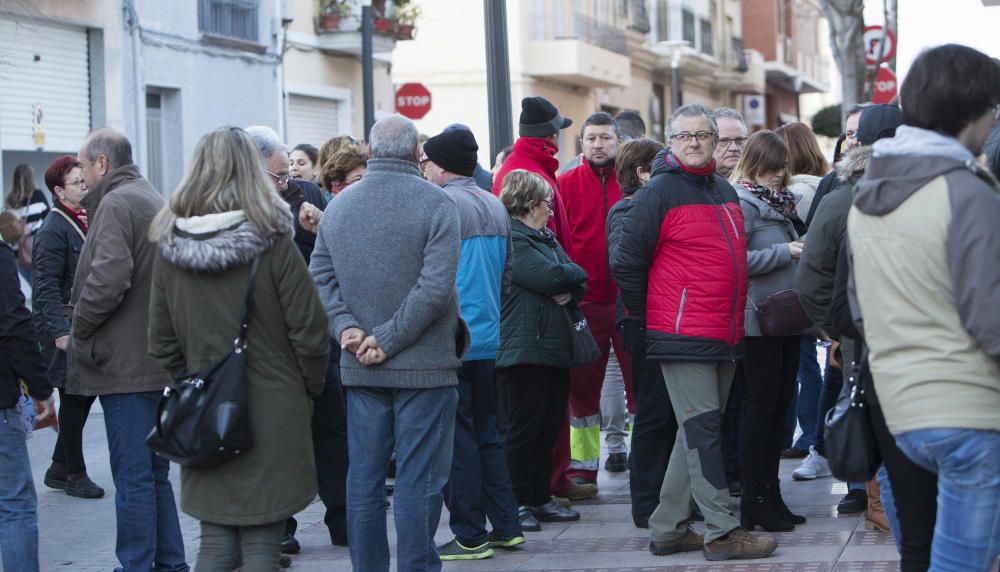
(589, 195)
(539, 156)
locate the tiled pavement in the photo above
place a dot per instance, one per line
(79, 535)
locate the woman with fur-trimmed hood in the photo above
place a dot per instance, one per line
(224, 214)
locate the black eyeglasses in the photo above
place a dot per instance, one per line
(423, 162)
(725, 142)
(685, 137)
(281, 179)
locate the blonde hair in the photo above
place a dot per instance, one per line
(333, 145)
(342, 162)
(765, 152)
(522, 191)
(226, 174)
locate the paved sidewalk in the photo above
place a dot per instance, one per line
(79, 535)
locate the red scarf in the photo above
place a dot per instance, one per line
(80, 217)
(701, 172)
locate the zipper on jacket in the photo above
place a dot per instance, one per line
(732, 252)
(680, 311)
(607, 255)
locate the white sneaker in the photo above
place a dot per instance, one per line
(814, 466)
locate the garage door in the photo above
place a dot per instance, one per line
(312, 120)
(47, 66)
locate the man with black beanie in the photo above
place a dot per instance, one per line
(479, 486)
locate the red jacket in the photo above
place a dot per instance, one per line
(682, 265)
(539, 156)
(588, 197)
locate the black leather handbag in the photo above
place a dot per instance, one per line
(203, 419)
(851, 447)
(781, 314)
(584, 346)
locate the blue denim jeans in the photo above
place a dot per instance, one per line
(18, 504)
(810, 382)
(967, 463)
(419, 424)
(149, 533)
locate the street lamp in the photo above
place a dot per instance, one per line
(676, 50)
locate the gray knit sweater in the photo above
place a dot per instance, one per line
(386, 255)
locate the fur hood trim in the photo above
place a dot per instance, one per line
(852, 166)
(214, 243)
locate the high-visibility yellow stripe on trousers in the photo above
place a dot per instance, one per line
(585, 442)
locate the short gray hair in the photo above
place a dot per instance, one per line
(692, 110)
(267, 140)
(110, 143)
(730, 113)
(393, 137)
(856, 108)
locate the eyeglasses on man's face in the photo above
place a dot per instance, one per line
(686, 137)
(725, 142)
(281, 179)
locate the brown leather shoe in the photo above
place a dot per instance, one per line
(875, 518)
(690, 542)
(581, 491)
(740, 545)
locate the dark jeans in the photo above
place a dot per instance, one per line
(833, 383)
(149, 533)
(73, 413)
(655, 427)
(810, 385)
(18, 503)
(418, 424)
(536, 398)
(914, 490)
(770, 366)
(479, 487)
(732, 419)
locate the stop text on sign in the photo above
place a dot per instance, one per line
(412, 100)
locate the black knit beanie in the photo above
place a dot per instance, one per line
(454, 151)
(539, 118)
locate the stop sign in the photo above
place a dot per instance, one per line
(413, 100)
(885, 86)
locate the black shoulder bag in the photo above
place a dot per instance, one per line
(851, 447)
(203, 419)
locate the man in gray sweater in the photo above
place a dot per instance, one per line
(386, 257)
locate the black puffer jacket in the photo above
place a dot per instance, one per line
(19, 357)
(56, 250)
(298, 192)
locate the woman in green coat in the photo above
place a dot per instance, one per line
(535, 347)
(224, 214)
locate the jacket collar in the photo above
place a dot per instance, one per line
(461, 183)
(540, 150)
(114, 179)
(214, 242)
(398, 166)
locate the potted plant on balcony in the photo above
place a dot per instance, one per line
(330, 13)
(406, 13)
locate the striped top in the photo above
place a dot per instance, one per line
(34, 213)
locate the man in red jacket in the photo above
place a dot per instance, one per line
(589, 191)
(535, 150)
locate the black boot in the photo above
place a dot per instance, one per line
(756, 510)
(778, 503)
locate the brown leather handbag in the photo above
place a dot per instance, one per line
(781, 314)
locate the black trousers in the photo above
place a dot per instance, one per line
(329, 433)
(536, 398)
(732, 418)
(479, 486)
(73, 413)
(770, 367)
(655, 425)
(914, 492)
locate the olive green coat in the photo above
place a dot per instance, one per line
(198, 290)
(534, 330)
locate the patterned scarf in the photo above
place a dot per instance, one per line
(781, 200)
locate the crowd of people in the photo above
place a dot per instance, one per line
(471, 332)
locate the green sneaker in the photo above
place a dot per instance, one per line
(497, 541)
(454, 550)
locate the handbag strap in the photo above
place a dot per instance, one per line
(241, 341)
(71, 223)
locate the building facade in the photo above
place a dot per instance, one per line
(583, 55)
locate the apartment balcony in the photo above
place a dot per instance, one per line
(797, 70)
(574, 48)
(744, 72)
(338, 26)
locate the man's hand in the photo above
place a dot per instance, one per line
(351, 339)
(369, 353)
(795, 249)
(563, 299)
(45, 413)
(62, 342)
(834, 346)
(309, 217)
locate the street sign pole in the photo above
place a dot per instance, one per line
(498, 77)
(367, 80)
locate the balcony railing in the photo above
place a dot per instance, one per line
(345, 16)
(551, 25)
(737, 58)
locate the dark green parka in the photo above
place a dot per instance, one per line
(534, 330)
(199, 279)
